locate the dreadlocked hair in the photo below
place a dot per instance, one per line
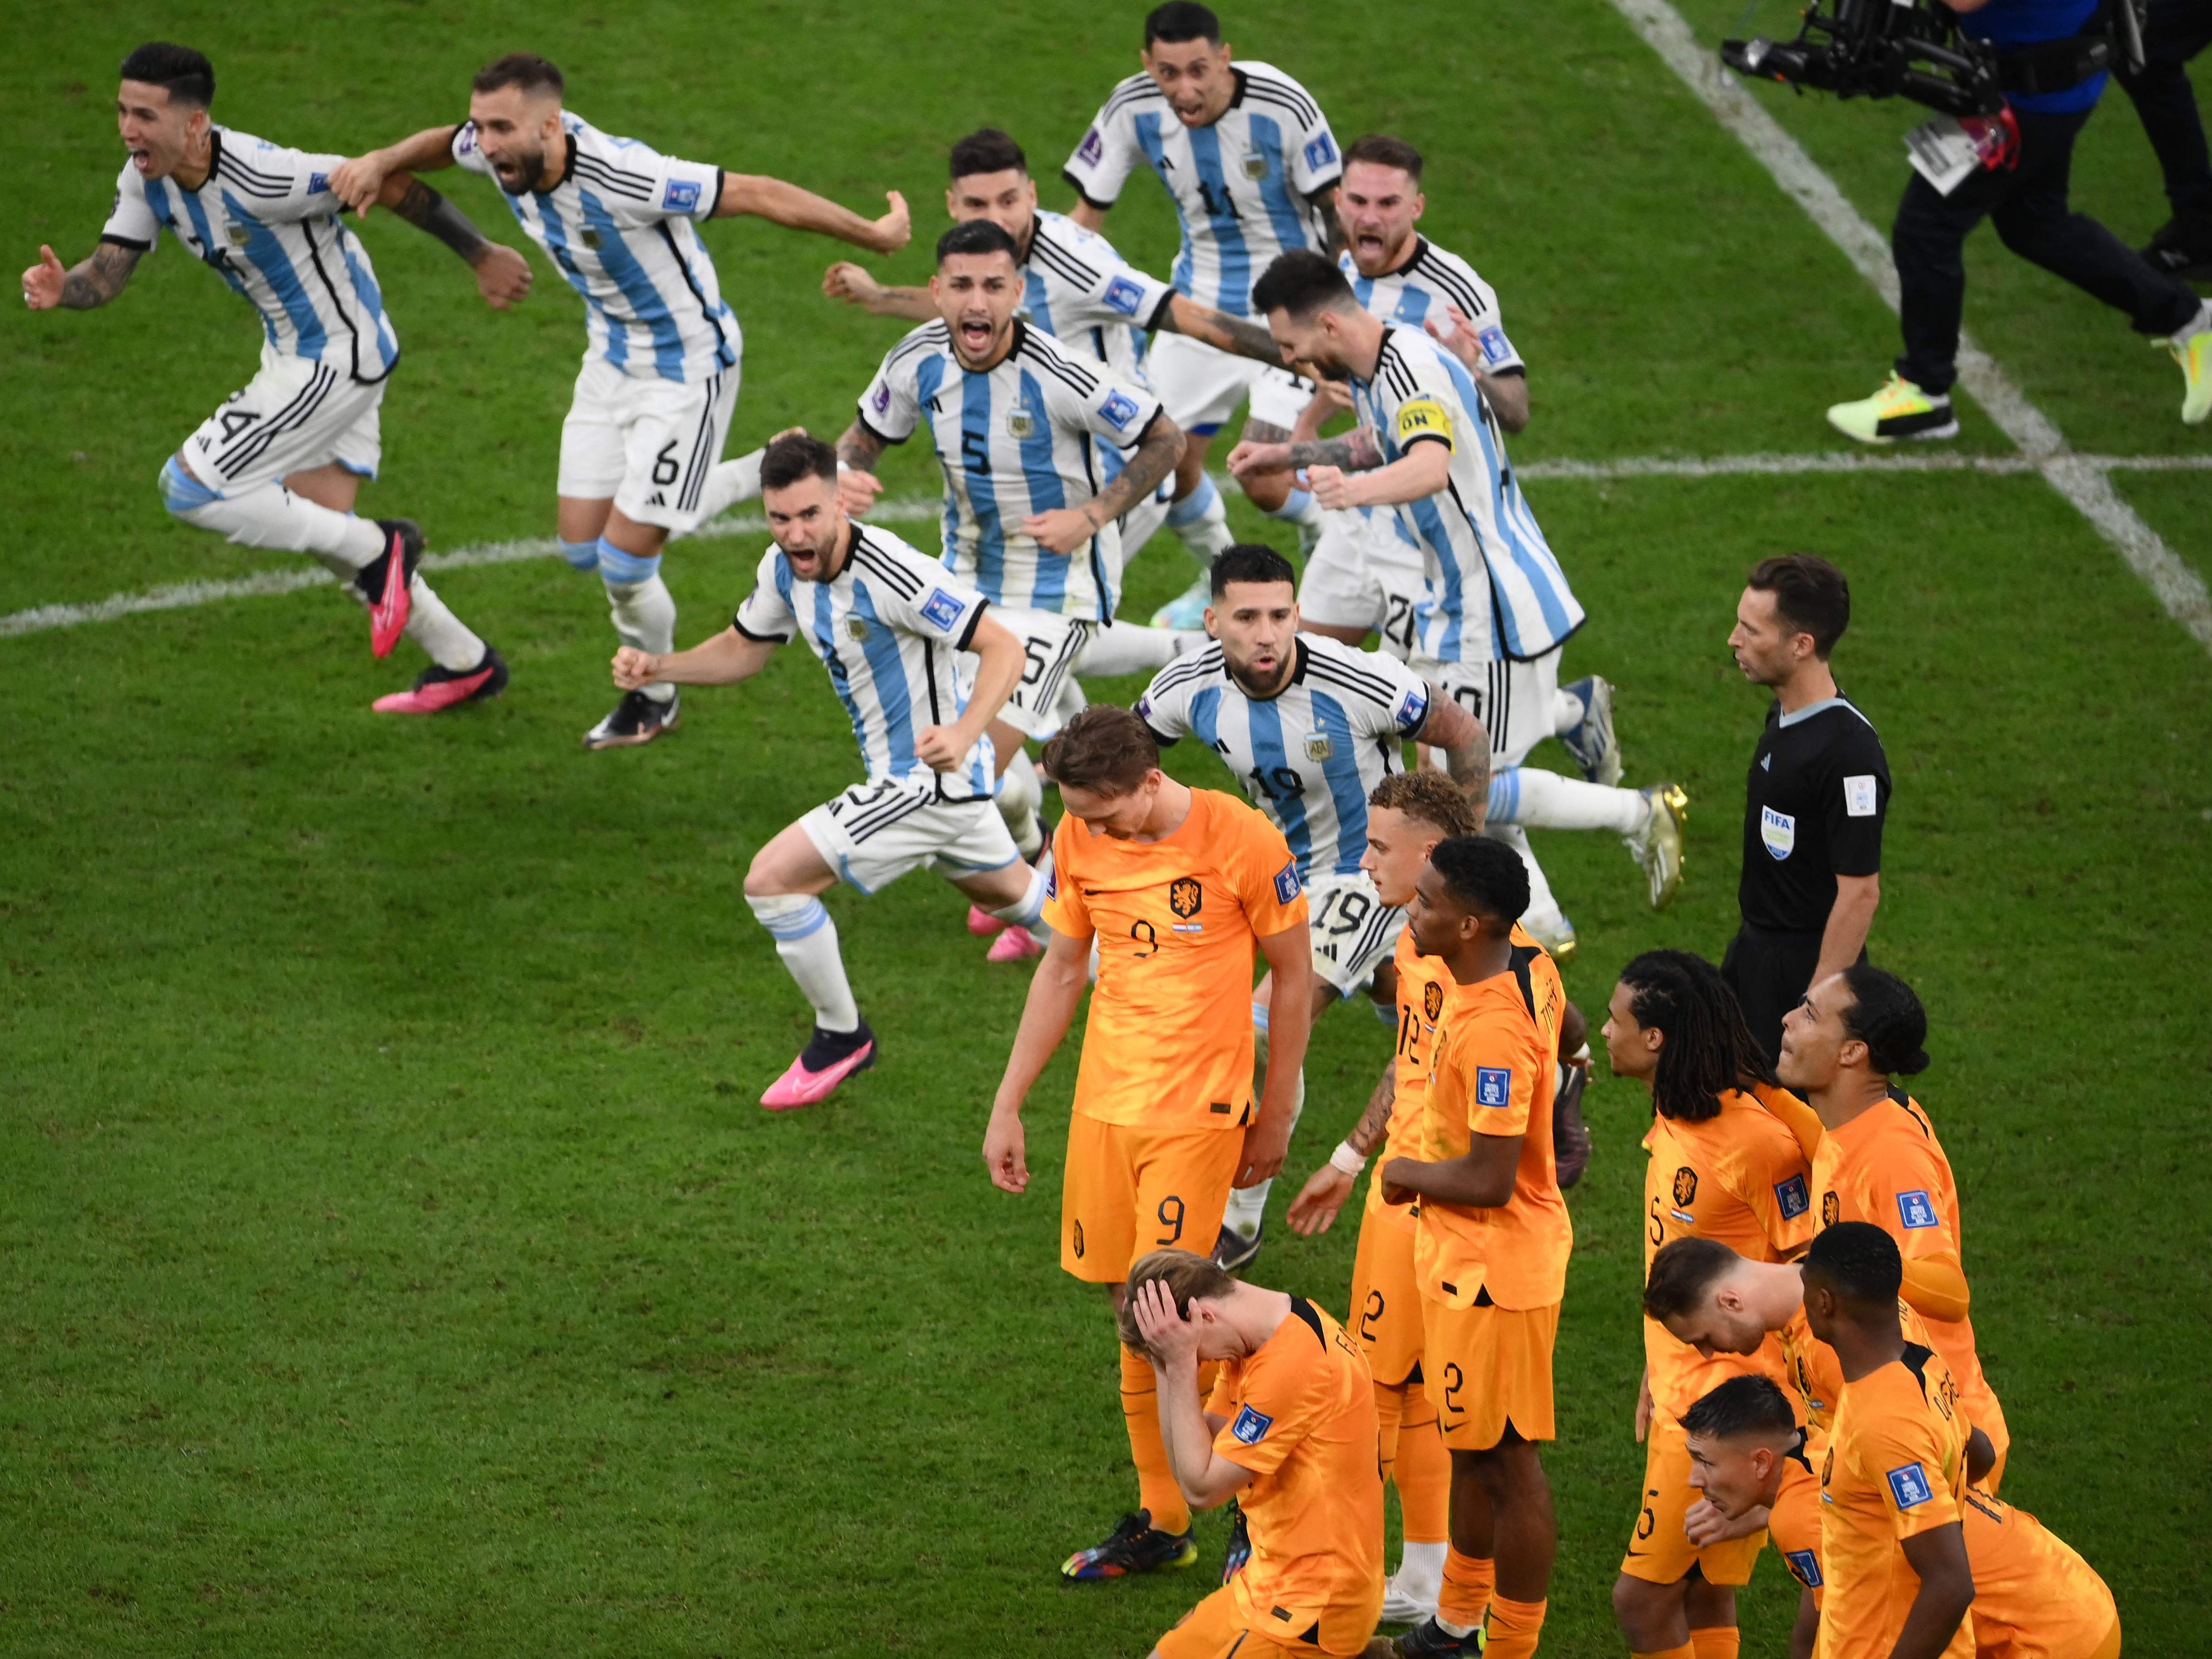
(1708, 1049)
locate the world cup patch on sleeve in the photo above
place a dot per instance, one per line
(941, 610)
(1495, 347)
(318, 183)
(1251, 1427)
(1287, 884)
(1422, 418)
(1494, 1087)
(465, 143)
(1908, 1487)
(881, 402)
(683, 196)
(1413, 710)
(1859, 797)
(1052, 881)
(1916, 1209)
(1091, 149)
(1320, 152)
(1119, 409)
(1124, 296)
(1793, 1198)
(1806, 1566)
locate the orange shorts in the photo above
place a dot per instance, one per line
(1983, 1412)
(1793, 1523)
(1217, 1628)
(1130, 1190)
(1386, 1298)
(1659, 1549)
(1486, 1368)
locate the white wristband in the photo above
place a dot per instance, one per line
(1345, 1159)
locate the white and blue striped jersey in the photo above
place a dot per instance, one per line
(1088, 297)
(1495, 589)
(266, 220)
(1308, 756)
(622, 226)
(1242, 187)
(1024, 436)
(1428, 285)
(890, 627)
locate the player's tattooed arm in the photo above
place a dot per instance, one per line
(1367, 1135)
(1220, 330)
(359, 180)
(85, 286)
(1064, 529)
(1465, 746)
(1327, 1187)
(502, 274)
(857, 484)
(848, 281)
(1355, 452)
(794, 209)
(1324, 202)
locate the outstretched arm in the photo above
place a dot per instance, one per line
(1220, 330)
(725, 659)
(1064, 529)
(85, 286)
(848, 281)
(789, 205)
(358, 183)
(502, 274)
(1356, 451)
(1466, 750)
(1327, 1187)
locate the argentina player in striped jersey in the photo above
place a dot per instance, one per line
(1497, 610)
(1310, 726)
(1080, 291)
(662, 359)
(280, 465)
(1019, 423)
(888, 622)
(1247, 156)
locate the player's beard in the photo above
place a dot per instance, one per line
(532, 170)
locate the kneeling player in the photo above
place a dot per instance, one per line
(1289, 1432)
(887, 622)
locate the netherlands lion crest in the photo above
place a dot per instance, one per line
(1432, 1000)
(1185, 896)
(1831, 1211)
(1686, 1188)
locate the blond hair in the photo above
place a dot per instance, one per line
(1189, 1278)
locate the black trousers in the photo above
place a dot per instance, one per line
(1770, 973)
(2174, 31)
(2027, 206)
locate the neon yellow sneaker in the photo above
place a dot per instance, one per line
(1899, 410)
(2194, 353)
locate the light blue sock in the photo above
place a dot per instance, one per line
(1193, 507)
(1297, 508)
(180, 491)
(581, 556)
(1504, 805)
(616, 565)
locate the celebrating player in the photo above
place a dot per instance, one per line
(1180, 888)
(1248, 158)
(1493, 628)
(1723, 1166)
(280, 463)
(1017, 423)
(1880, 1160)
(1491, 1246)
(1288, 1432)
(888, 623)
(661, 362)
(1309, 726)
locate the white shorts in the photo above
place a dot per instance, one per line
(875, 832)
(295, 414)
(1514, 700)
(1353, 932)
(649, 445)
(1050, 643)
(1201, 385)
(1365, 573)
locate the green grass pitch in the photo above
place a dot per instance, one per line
(393, 1257)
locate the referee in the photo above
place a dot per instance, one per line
(1813, 802)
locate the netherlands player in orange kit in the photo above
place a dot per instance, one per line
(1491, 1245)
(1880, 1160)
(1290, 1433)
(1181, 888)
(1722, 1166)
(1894, 1478)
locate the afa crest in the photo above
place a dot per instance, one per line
(1185, 896)
(1686, 1188)
(1432, 1000)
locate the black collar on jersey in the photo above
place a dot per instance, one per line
(1238, 101)
(1523, 954)
(1915, 1360)
(1797, 1450)
(568, 167)
(1304, 1309)
(1420, 246)
(852, 548)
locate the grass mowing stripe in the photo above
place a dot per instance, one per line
(2086, 487)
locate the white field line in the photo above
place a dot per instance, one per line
(184, 595)
(2087, 486)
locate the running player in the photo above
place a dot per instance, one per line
(888, 623)
(1894, 1480)
(1880, 1160)
(661, 361)
(1290, 1433)
(1491, 1246)
(1248, 158)
(1181, 889)
(1722, 1167)
(1309, 726)
(280, 465)
(1492, 629)
(1019, 423)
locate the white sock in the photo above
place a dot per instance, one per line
(1202, 522)
(1567, 711)
(730, 483)
(445, 636)
(1421, 1571)
(272, 516)
(1019, 796)
(1543, 911)
(1545, 800)
(806, 940)
(2195, 325)
(1125, 648)
(1028, 911)
(644, 614)
(1247, 1205)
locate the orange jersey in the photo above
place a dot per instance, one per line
(1741, 1178)
(1177, 920)
(1493, 1070)
(1422, 982)
(1886, 1166)
(1300, 1414)
(1815, 1376)
(2034, 1597)
(1895, 1467)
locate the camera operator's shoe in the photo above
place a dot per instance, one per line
(1899, 410)
(2192, 350)
(2182, 250)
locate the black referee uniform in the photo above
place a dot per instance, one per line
(1813, 810)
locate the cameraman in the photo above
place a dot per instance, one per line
(2175, 31)
(2041, 45)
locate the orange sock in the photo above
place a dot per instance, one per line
(1389, 1408)
(1424, 1472)
(1717, 1642)
(1514, 1627)
(1156, 1483)
(1468, 1582)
